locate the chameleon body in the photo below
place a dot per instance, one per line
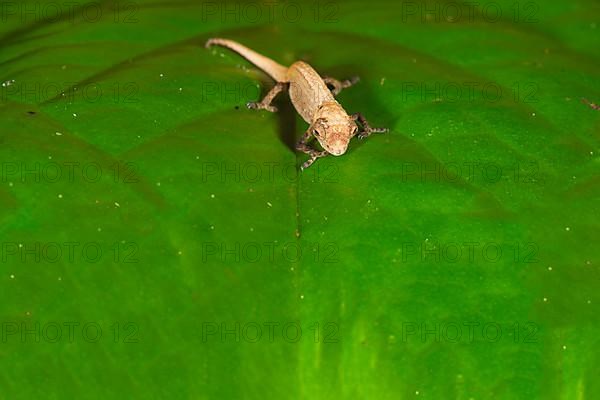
(328, 122)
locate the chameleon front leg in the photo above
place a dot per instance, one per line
(338, 86)
(367, 129)
(305, 148)
(265, 104)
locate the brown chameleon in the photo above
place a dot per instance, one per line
(329, 123)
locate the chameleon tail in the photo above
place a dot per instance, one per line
(273, 69)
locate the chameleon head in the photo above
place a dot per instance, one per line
(334, 128)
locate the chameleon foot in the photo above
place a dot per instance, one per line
(338, 86)
(351, 82)
(313, 158)
(305, 148)
(591, 105)
(368, 131)
(253, 105)
(265, 104)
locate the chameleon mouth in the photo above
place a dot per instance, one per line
(337, 151)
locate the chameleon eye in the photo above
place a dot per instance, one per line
(316, 132)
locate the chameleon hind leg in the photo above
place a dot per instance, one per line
(338, 86)
(265, 104)
(304, 147)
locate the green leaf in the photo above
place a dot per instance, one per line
(159, 240)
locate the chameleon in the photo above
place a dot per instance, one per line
(312, 98)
